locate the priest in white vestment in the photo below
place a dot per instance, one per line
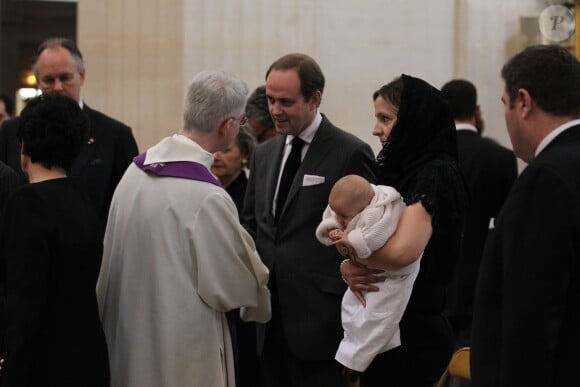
(175, 256)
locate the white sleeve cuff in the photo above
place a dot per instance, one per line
(356, 239)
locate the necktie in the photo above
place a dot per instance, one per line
(288, 173)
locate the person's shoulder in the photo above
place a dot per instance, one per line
(495, 146)
(9, 126)
(475, 146)
(554, 170)
(349, 137)
(96, 116)
(439, 163)
(24, 195)
(568, 140)
(441, 170)
(6, 170)
(339, 133)
(561, 154)
(326, 124)
(213, 198)
(269, 145)
(11, 121)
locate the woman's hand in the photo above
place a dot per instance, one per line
(360, 278)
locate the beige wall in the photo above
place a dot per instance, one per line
(134, 58)
(141, 54)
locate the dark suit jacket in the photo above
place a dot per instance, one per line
(99, 166)
(306, 273)
(489, 170)
(527, 304)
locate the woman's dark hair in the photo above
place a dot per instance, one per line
(257, 106)
(52, 129)
(391, 92)
(246, 141)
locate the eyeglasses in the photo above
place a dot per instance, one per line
(243, 120)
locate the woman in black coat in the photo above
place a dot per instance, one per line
(419, 159)
(50, 254)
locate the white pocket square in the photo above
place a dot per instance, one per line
(312, 180)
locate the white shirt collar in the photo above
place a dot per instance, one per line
(553, 134)
(465, 126)
(308, 134)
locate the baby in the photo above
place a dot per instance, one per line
(364, 216)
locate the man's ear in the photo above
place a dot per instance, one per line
(82, 75)
(224, 128)
(478, 121)
(315, 99)
(524, 102)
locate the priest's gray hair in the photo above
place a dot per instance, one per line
(213, 96)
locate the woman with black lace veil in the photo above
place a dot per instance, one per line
(419, 159)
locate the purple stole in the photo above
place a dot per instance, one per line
(182, 169)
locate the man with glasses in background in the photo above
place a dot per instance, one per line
(59, 68)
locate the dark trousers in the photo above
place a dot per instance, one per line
(281, 368)
(249, 368)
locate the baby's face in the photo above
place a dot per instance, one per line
(344, 212)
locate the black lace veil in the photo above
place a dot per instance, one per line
(424, 130)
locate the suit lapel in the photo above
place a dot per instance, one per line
(317, 150)
(84, 157)
(272, 170)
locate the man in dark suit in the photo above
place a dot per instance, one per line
(110, 146)
(526, 312)
(489, 170)
(297, 346)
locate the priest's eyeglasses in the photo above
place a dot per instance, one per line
(243, 120)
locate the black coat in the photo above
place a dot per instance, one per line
(50, 255)
(489, 170)
(526, 315)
